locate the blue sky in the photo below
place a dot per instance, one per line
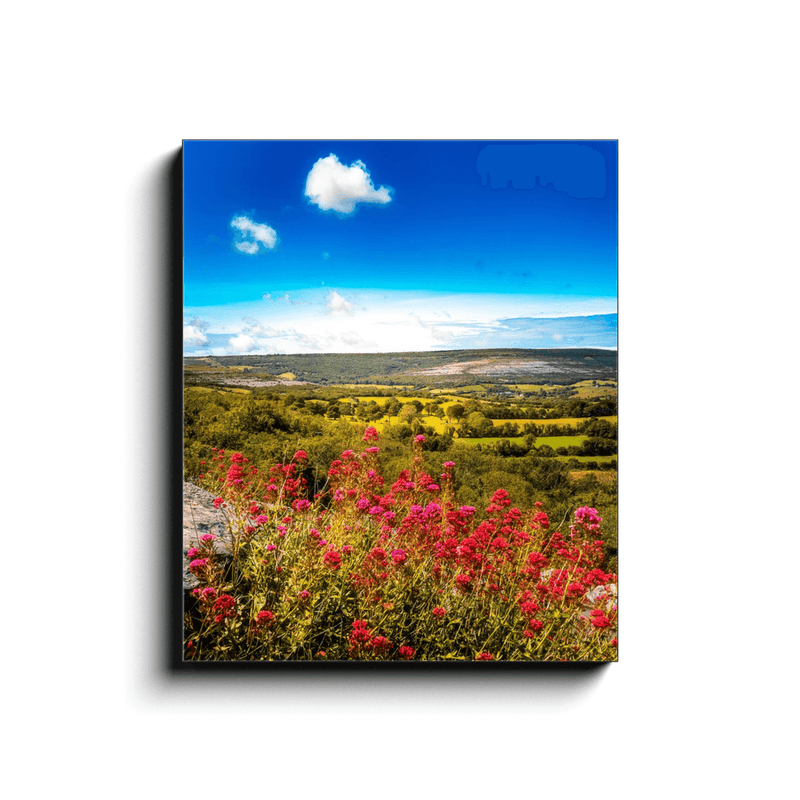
(368, 246)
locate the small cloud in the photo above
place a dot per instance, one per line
(193, 336)
(333, 186)
(338, 306)
(351, 338)
(256, 328)
(557, 337)
(439, 334)
(308, 341)
(242, 343)
(272, 298)
(252, 236)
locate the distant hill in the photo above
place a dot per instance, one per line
(441, 368)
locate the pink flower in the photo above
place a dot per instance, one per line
(300, 455)
(588, 517)
(419, 439)
(218, 501)
(192, 552)
(207, 537)
(198, 565)
(406, 652)
(438, 611)
(484, 657)
(332, 559)
(261, 519)
(304, 595)
(370, 434)
(399, 556)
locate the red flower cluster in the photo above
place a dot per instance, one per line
(599, 619)
(502, 559)
(225, 606)
(264, 621)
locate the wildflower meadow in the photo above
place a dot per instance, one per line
(367, 571)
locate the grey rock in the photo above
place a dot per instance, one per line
(199, 517)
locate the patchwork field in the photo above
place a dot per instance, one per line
(571, 421)
(288, 380)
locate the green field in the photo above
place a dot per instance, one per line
(402, 398)
(584, 459)
(491, 440)
(560, 441)
(552, 441)
(572, 421)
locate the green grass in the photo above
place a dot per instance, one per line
(552, 441)
(491, 440)
(560, 441)
(584, 459)
(572, 421)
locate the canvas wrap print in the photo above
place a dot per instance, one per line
(400, 401)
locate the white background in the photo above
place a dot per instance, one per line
(96, 100)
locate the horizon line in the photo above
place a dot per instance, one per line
(401, 352)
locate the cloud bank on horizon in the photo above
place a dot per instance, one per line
(514, 244)
(322, 321)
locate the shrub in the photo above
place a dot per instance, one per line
(372, 571)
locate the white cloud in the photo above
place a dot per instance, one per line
(193, 336)
(337, 305)
(333, 186)
(352, 338)
(256, 328)
(439, 334)
(285, 297)
(253, 236)
(242, 343)
(329, 321)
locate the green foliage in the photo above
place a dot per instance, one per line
(341, 578)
